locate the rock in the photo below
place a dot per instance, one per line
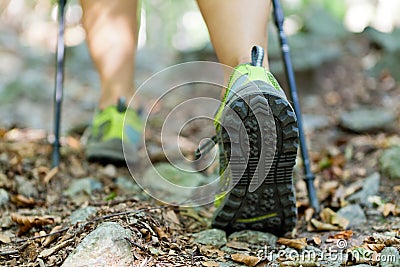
(211, 237)
(4, 198)
(81, 215)
(367, 119)
(390, 256)
(84, 185)
(171, 184)
(105, 246)
(127, 185)
(370, 188)
(254, 237)
(390, 162)
(109, 171)
(312, 122)
(354, 214)
(26, 187)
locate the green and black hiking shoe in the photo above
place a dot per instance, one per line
(113, 140)
(257, 135)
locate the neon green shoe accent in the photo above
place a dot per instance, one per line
(250, 74)
(259, 218)
(109, 127)
(108, 123)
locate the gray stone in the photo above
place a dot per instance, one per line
(370, 188)
(4, 198)
(81, 215)
(314, 122)
(26, 187)
(84, 185)
(105, 246)
(390, 162)
(172, 184)
(390, 256)
(354, 214)
(254, 237)
(367, 119)
(211, 237)
(127, 185)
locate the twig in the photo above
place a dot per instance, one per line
(14, 251)
(41, 236)
(135, 244)
(48, 252)
(9, 252)
(114, 202)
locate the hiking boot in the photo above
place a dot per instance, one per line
(109, 131)
(257, 135)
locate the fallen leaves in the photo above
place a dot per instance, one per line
(385, 208)
(330, 221)
(342, 235)
(245, 259)
(299, 243)
(28, 222)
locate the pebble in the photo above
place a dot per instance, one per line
(312, 122)
(26, 187)
(211, 237)
(81, 215)
(127, 185)
(105, 246)
(390, 162)
(370, 188)
(367, 119)
(254, 237)
(354, 214)
(171, 184)
(4, 198)
(390, 256)
(84, 185)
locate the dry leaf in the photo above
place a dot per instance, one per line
(309, 214)
(171, 216)
(353, 187)
(51, 238)
(161, 234)
(320, 226)
(330, 217)
(210, 264)
(389, 208)
(238, 245)
(22, 201)
(298, 243)
(50, 175)
(343, 235)
(246, 259)
(316, 240)
(384, 239)
(374, 247)
(300, 263)
(5, 238)
(210, 251)
(28, 222)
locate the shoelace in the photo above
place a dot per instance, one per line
(206, 147)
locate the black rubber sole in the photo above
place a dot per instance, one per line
(270, 146)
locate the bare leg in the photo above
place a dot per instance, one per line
(235, 26)
(112, 28)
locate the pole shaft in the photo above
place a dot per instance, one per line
(309, 176)
(58, 91)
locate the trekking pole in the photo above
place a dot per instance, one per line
(309, 176)
(58, 90)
